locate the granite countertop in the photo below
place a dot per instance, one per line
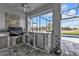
(2, 34)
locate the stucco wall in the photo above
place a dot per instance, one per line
(13, 11)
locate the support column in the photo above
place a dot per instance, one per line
(28, 22)
(56, 40)
(28, 27)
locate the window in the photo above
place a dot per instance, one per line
(70, 19)
(42, 23)
(70, 26)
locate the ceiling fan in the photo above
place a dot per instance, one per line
(25, 6)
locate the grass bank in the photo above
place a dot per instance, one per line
(72, 32)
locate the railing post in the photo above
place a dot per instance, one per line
(34, 40)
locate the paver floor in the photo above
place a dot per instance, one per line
(69, 49)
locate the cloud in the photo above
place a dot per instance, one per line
(65, 16)
(49, 14)
(64, 7)
(72, 12)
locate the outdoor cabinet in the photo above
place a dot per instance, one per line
(15, 40)
(26, 38)
(4, 40)
(31, 39)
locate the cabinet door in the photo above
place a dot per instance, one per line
(3, 42)
(31, 39)
(39, 41)
(19, 40)
(0, 43)
(26, 38)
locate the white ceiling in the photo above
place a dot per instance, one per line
(19, 7)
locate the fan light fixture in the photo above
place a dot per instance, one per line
(24, 9)
(26, 6)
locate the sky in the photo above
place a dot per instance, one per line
(74, 22)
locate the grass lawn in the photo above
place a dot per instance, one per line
(71, 32)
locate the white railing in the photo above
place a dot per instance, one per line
(39, 40)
